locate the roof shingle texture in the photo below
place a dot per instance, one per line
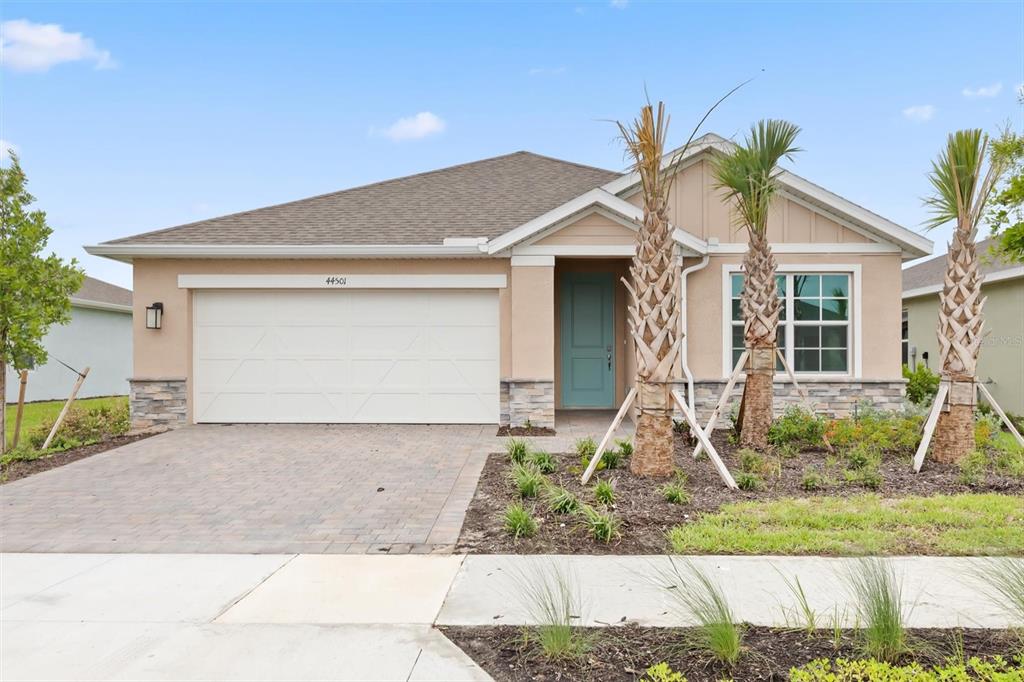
(932, 271)
(480, 199)
(103, 292)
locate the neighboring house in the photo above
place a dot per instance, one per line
(1001, 363)
(99, 336)
(491, 291)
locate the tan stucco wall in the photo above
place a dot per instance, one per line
(700, 209)
(167, 352)
(880, 308)
(593, 229)
(532, 323)
(625, 366)
(1001, 362)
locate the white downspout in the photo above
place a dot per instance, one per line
(684, 351)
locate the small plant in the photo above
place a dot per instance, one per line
(862, 462)
(542, 461)
(585, 447)
(527, 480)
(878, 599)
(701, 599)
(996, 669)
(868, 477)
(517, 449)
(797, 426)
(675, 493)
(748, 481)
(561, 501)
(751, 462)
(604, 526)
(1002, 580)
(788, 451)
(613, 458)
(922, 384)
(661, 672)
(553, 602)
(972, 468)
(807, 618)
(604, 493)
(812, 479)
(519, 522)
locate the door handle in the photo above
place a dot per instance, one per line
(609, 362)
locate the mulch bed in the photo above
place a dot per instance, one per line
(22, 468)
(525, 431)
(623, 653)
(646, 516)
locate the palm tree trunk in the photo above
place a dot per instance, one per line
(760, 304)
(654, 325)
(960, 333)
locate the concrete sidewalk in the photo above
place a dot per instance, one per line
(358, 617)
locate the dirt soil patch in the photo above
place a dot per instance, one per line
(646, 516)
(23, 468)
(624, 653)
(519, 431)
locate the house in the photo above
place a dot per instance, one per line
(491, 292)
(1001, 363)
(99, 336)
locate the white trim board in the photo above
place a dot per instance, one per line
(100, 305)
(1009, 273)
(340, 280)
(808, 247)
(856, 323)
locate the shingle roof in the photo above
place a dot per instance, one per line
(103, 292)
(480, 199)
(931, 271)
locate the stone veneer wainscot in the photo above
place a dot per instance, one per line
(528, 400)
(834, 398)
(158, 403)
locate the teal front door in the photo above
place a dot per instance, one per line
(587, 340)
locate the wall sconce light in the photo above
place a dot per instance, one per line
(154, 315)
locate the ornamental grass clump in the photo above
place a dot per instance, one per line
(603, 525)
(542, 461)
(527, 480)
(878, 600)
(700, 599)
(519, 522)
(552, 600)
(604, 493)
(517, 449)
(1002, 580)
(675, 490)
(560, 500)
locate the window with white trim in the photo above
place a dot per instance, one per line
(814, 321)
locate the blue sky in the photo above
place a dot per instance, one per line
(158, 114)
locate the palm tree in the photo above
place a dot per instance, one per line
(749, 174)
(962, 188)
(653, 292)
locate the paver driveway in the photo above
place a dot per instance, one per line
(256, 489)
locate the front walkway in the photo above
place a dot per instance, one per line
(316, 617)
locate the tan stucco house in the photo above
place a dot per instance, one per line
(490, 292)
(1001, 363)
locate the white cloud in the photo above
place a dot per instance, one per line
(919, 113)
(27, 46)
(547, 71)
(5, 147)
(619, 4)
(415, 127)
(984, 91)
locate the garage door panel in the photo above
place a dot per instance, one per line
(346, 356)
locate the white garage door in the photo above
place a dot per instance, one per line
(398, 356)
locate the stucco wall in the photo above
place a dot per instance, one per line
(593, 229)
(880, 309)
(98, 339)
(1001, 363)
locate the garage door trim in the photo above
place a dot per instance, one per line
(342, 281)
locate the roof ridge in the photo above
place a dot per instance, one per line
(353, 188)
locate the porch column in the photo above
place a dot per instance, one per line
(531, 386)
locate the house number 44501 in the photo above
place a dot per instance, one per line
(334, 280)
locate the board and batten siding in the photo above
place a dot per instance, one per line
(99, 339)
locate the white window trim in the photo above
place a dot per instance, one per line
(852, 269)
(342, 280)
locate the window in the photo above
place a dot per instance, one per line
(814, 322)
(905, 338)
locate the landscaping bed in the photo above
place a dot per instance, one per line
(626, 652)
(797, 496)
(20, 468)
(507, 430)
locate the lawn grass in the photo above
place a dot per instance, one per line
(45, 412)
(954, 525)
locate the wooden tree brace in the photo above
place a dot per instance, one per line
(67, 406)
(722, 401)
(619, 416)
(1002, 415)
(929, 425)
(723, 471)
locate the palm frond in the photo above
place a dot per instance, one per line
(961, 184)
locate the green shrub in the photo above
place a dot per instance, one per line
(83, 426)
(878, 600)
(561, 501)
(812, 479)
(612, 458)
(585, 447)
(788, 450)
(553, 602)
(996, 669)
(751, 462)
(700, 599)
(797, 426)
(527, 480)
(625, 447)
(661, 672)
(603, 525)
(23, 453)
(518, 449)
(604, 493)
(973, 468)
(748, 481)
(986, 426)
(542, 461)
(922, 384)
(866, 477)
(884, 431)
(519, 522)
(675, 493)
(862, 466)
(1008, 455)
